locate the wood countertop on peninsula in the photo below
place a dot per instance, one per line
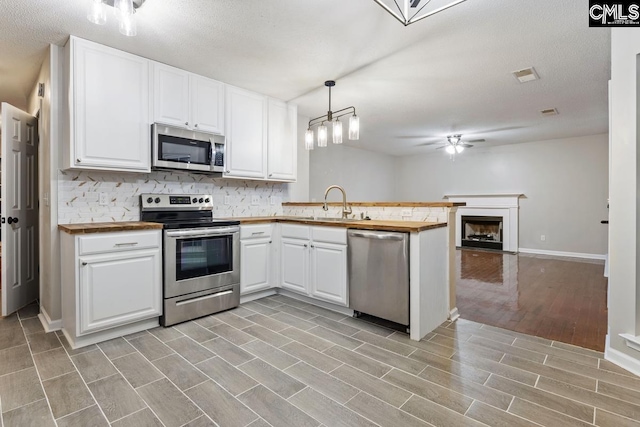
(381, 225)
(380, 204)
(108, 227)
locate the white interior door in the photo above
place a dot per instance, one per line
(19, 214)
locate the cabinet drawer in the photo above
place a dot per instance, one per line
(115, 242)
(296, 231)
(255, 231)
(337, 235)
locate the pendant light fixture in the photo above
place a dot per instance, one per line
(124, 11)
(410, 11)
(332, 117)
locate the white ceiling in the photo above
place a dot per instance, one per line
(449, 73)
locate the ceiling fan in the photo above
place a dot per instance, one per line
(453, 145)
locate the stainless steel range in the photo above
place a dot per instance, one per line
(201, 256)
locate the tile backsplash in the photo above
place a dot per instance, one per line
(79, 194)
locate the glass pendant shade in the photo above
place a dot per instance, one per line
(123, 8)
(354, 127)
(97, 13)
(128, 26)
(450, 149)
(308, 139)
(459, 148)
(322, 136)
(337, 132)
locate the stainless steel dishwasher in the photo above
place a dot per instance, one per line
(379, 274)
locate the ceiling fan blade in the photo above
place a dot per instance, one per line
(441, 147)
(476, 140)
(425, 144)
(465, 145)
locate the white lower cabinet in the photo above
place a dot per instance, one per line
(256, 258)
(314, 262)
(112, 284)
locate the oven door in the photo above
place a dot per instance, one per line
(199, 259)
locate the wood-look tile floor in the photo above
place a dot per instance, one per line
(281, 362)
(561, 299)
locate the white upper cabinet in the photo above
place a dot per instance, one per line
(108, 109)
(246, 132)
(170, 95)
(207, 104)
(282, 144)
(187, 100)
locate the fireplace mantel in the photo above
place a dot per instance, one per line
(502, 205)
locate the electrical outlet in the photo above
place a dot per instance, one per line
(406, 212)
(104, 199)
(272, 200)
(227, 200)
(255, 200)
(543, 237)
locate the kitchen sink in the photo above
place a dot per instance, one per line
(335, 219)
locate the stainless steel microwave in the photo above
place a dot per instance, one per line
(175, 148)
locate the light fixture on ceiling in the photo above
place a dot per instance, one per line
(124, 10)
(453, 145)
(332, 117)
(410, 11)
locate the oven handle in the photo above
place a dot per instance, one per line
(202, 233)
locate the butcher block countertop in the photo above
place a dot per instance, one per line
(108, 227)
(380, 204)
(381, 225)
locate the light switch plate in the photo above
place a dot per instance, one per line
(227, 200)
(272, 200)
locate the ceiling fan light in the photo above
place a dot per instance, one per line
(453, 139)
(354, 128)
(322, 136)
(337, 132)
(308, 139)
(97, 13)
(123, 8)
(459, 149)
(450, 149)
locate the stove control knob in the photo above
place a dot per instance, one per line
(201, 200)
(206, 200)
(157, 200)
(150, 200)
(194, 200)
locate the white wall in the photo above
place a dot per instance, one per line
(49, 138)
(564, 181)
(624, 293)
(365, 175)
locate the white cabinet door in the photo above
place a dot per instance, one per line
(329, 272)
(170, 95)
(117, 289)
(207, 105)
(255, 265)
(294, 255)
(282, 141)
(246, 132)
(110, 109)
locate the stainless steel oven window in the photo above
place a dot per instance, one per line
(172, 241)
(203, 256)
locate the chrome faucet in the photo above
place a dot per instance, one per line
(346, 210)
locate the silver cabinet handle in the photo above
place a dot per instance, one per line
(84, 263)
(227, 171)
(186, 123)
(255, 233)
(196, 125)
(203, 232)
(270, 242)
(312, 246)
(377, 235)
(305, 245)
(78, 161)
(270, 175)
(119, 245)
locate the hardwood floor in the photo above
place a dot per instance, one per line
(560, 299)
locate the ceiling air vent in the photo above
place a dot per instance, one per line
(549, 112)
(526, 75)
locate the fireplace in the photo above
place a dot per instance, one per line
(482, 232)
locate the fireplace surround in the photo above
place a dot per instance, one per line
(502, 206)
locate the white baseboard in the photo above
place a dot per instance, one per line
(48, 324)
(621, 359)
(256, 295)
(453, 314)
(562, 254)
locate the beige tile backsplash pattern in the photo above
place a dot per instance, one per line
(429, 214)
(79, 194)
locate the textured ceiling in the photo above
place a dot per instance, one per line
(450, 73)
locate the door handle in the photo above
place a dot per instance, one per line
(12, 220)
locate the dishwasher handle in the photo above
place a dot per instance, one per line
(377, 235)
